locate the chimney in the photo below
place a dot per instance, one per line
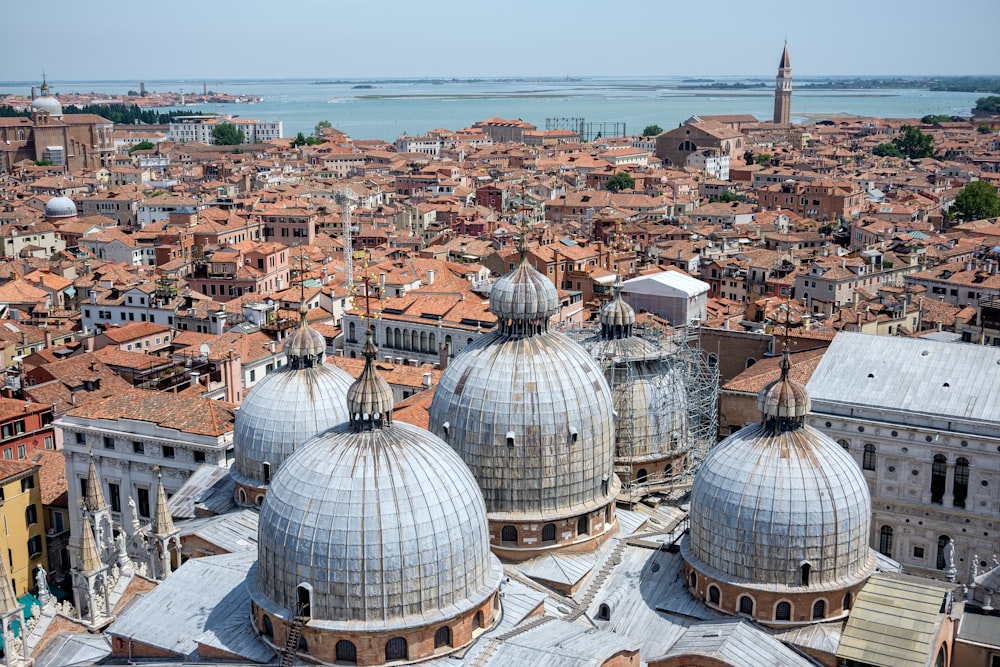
(48, 339)
(232, 375)
(430, 276)
(444, 353)
(93, 296)
(427, 380)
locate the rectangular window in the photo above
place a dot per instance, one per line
(115, 497)
(199, 457)
(35, 547)
(138, 447)
(143, 502)
(22, 452)
(48, 442)
(27, 483)
(8, 453)
(81, 439)
(109, 442)
(918, 552)
(31, 515)
(168, 452)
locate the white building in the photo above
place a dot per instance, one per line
(674, 295)
(922, 419)
(199, 128)
(157, 209)
(128, 436)
(713, 164)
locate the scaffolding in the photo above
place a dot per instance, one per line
(588, 131)
(665, 397)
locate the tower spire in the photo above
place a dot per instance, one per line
(783, 89)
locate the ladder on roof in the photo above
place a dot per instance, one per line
(292, 641)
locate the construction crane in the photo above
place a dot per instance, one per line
(347, 198)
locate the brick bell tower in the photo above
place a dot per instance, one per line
(783, 90)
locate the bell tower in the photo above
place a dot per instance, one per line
(783, 90)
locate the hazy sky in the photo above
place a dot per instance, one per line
(221, 39)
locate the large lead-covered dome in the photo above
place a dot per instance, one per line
(287, 407)
(60, 207)
(374, 527)
(46, 102)
(781, 505)
(531, 414)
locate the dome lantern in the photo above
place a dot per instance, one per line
(370, 400)
(524, 300)
(784, 403)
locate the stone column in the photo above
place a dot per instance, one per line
(948, 498)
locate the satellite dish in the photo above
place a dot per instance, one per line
(204, 349)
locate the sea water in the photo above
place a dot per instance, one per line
(384, 109)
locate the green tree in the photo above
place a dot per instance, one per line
(763, 159)
(620, 181)
(302, 140)
(913, 143)
(887, 150)
(652, 130)
(984, 128)
(977, 201)
(227, 134)
(142, 146)
(930, 119)
(989, 104)
(320, 126)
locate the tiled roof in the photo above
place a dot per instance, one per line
(199, 416)
(52, 477)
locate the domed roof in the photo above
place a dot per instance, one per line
(370, 400)
(60, 207)
(524, 299)
(778, 495)
(287, 407)
(528, 410)
(617, 317)
(46, 102)
(383, 521)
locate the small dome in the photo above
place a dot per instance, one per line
(305, 346)
(287, 407)
(60, 207)
(617, 317)
(524, 300)
(370, 399)
(783, 403)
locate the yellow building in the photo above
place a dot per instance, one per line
(23, 537)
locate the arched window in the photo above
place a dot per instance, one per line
(350, 334)
(304, 595)
(641, 476)
(242, 495)
(346, 651)
(939, 477)
(396, 649)
(819, 610)
(847, 600)
(669, 470)
(746, 605)
(804, 572)
(713, 360)
(942, 561)
(442, 637)
(694, 580)
(477, 621)
(583, 525)
(869, 459)
(714, 596)
(942, 657)
(687, 146)
(268, 627)
(267, 472)
(548, 533)
(885, 541)
(30, 515)
(845, 444)
(604, 613)
(750, 362)
(783, 612)
(508, 534)
(960, 487)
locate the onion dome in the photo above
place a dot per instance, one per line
(47, 103)
(529, 411)
(60, 207)
(780, 505)
(370, 400)
(287, 407)
(524, 300)
(380, 522)
(617, 317)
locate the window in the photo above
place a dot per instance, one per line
(583, 525)
(109, 443)
(346, 651)
(115, 496)
(143, 502)
(805, 571)
(885, 541)
(548, 533)
(783, 612)
(442, 637)
(960, 487)
(918, 552)
(942, 552)
(746, 605)
(35, 546)
(508, 534)
(714, 596)
(869, 458)
(27, 483)
(81, 439)
(22, 451)
(8, 453)
(845, 444)
(395, 649)
(138, 447)
(939, 476)
(168, 452)
(819, 610)
(48, 442)
(30, 515)
(199, 457)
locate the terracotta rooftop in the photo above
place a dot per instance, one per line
(199, 416)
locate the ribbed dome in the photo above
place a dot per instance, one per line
(784, 403)
(524, 300)
(60, 207)
(305, 346)
(617, 318)
(370, 399)
(532, 417)
(287, 407)
(386, 525)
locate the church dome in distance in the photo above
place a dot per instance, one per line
(47, 103)
(60, 207)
